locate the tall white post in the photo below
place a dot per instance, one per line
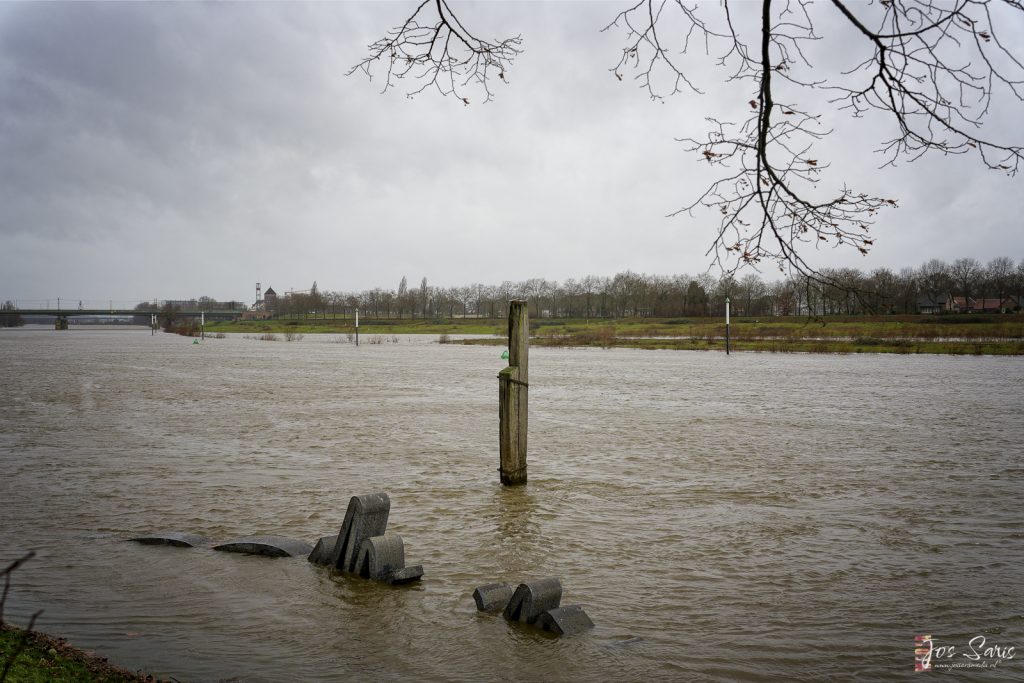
(357, 327)
(727, 326)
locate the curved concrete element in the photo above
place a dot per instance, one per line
(404, 575)
(271, 546)
(492, 597)
(174, 538)
(565, 621)
(380, 555)
(367, 516)
(532, 599)
(322, 550)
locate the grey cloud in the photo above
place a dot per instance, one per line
(226, 138)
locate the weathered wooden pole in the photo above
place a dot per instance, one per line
(513, 394)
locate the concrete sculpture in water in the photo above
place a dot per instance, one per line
(535, 603)
(271, 546)
(364, 547)
(174, 538)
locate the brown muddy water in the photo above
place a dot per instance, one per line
(746, 518)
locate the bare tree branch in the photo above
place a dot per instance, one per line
(440, 52)
(938, 103)
(935, 70)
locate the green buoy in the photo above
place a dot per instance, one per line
(195, 341)
(504, 354)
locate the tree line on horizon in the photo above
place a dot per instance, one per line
(841, 291)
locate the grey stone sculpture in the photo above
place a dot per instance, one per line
(404, 575)
(533, 602)
(364, 547)
(174, 538)
(272, 546)
(322, 550)
(533, 598)
(565, 620)
(380, 555)
(366, 516)
(492, 597)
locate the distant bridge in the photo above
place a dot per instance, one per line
(120, 313)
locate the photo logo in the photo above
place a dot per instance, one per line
(922, 653)
(979, 653)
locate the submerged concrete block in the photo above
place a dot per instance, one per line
(367, 516)
(380, 555)
(272, 546)
(174, 538)
(492, 597)
(532, 599)
(565, 621)
(404, 575)
(322, 550)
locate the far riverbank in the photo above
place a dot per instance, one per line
(942, 334)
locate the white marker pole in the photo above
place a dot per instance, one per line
(202, 324)
(727, 326)
(357, 327)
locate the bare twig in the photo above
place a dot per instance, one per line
(23, 641)
(440, 52)
(6, 573)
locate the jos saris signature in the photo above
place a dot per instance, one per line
(979, 653)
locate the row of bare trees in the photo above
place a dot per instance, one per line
(846, 291)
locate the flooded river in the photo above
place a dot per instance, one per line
(746, 518)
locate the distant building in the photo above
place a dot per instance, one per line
(959, 304)
(264, 307)
(928, 303)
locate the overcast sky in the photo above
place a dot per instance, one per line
(177, 150)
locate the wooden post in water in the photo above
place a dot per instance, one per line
(513, 391)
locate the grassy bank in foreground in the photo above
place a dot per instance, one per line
(964, 334)
(45, 659)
